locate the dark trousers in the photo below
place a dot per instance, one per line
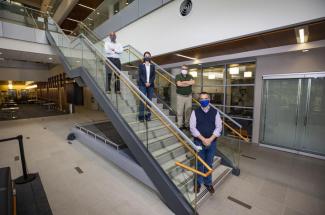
(207, 154)
(117, 63)
(148, 91)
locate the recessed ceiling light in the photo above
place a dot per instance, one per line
(85, 6)
(305, 50)
(233, 71)
(184, 56)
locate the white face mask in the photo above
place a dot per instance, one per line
(184, 71)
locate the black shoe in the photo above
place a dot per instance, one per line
(197, 188)
(210, 188)
(141, 119)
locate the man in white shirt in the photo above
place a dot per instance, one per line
(113, 50)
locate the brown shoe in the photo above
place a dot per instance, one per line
(210, 188)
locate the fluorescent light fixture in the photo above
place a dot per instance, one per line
(219, 75)
(193, 73)
(248, 74)
(77, 61)
(85, 6)
(187, 57)
(74, 20)
(234, 71)
(31, 87)
(10, 85)
(90, 19)
(302, 34)
(212, 75)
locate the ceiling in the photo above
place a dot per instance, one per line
(28, 57)
(270, 39)
(79, 13)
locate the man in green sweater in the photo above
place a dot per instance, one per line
(184, 82)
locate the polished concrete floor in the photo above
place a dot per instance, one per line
(273, 183)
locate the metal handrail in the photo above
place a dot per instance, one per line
(96, 136)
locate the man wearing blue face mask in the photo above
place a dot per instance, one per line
(205, 126)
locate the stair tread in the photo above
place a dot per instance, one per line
(167, 149)
(162, 137)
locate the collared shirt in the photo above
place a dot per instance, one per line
(118, 49)
(218, 123)
(147, 71)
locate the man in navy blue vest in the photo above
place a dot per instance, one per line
(205, 126)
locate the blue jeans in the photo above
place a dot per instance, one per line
(148, 91)
(207, 154)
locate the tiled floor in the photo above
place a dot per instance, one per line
(274, 183)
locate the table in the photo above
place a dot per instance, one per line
(49, 105)
(11, 111)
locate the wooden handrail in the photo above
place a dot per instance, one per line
(195, 170)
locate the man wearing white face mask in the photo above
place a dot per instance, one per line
(184, 82)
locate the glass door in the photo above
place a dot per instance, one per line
(294, 114)
(312, 123)
(280, 112)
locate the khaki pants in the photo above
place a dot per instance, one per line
(184, 107)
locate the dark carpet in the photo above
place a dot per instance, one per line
(27, 111)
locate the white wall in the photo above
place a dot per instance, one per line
(164, 30)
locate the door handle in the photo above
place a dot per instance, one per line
(305, 121)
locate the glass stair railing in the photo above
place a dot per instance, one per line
(171, 151)
(165, 90)
(20, 15)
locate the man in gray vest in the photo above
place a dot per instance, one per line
(205, 126)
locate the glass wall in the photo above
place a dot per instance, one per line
(231, 88)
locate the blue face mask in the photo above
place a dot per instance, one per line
(204, 103)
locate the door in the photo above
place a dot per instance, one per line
(294, 114)
(312, 126)
(280, 112)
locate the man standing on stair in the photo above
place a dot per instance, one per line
(113, 51)
(184, 82)
(205, 126)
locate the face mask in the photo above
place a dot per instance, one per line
(184, 71)
(147, 58)
(204, 103)
(113, 38)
